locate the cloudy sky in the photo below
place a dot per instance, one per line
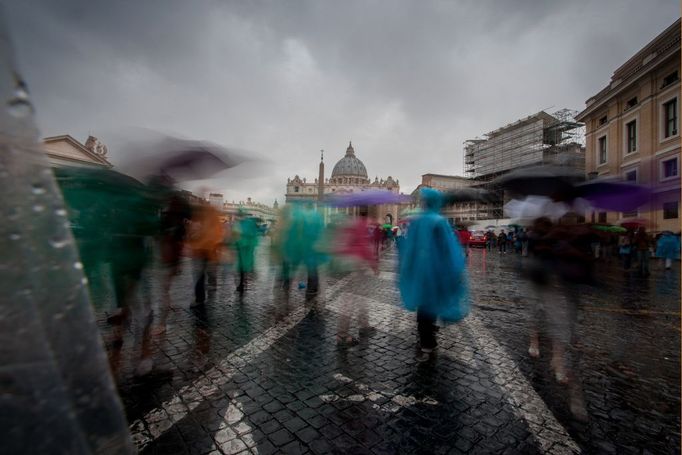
(407, 81)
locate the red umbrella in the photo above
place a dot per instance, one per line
(633, 223)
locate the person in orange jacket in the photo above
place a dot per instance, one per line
(205, 244)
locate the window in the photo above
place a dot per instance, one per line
(670, 79)
(670, 210)
(631, 214)
(669, 168)
(603, 120)
(295, 189)
(631, 129)
(602, 149)
(670, 118)
(602, 217)
(631, 176)
(632, 102)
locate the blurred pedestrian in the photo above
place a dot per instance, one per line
(378, 235)
(523, 238)
(133, 224)
(489, 240)
(398, 237)
(502, 242)
(175, 215)
(668, 248)
(642, 244)
(432, 274)
(300, 246)
(352, 250)
(625, 250)
(245, 235)
(205, 243)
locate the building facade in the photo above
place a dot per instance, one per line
(632, 130)
(64, 150)
(454, 213)
(265, 213)
(216, 200)
(349, 175)
(540, 138)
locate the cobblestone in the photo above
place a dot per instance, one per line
(261, 374)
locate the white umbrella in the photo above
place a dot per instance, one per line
(532, 207)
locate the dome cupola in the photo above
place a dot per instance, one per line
(350, 167)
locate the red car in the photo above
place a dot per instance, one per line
(463, 236)
(477, 239)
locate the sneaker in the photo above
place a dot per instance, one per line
(424, 356)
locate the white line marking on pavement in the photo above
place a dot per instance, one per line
(524, 400)
(190, 396)
(397, 401)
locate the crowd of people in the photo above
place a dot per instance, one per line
(629, 246)
(125, 228)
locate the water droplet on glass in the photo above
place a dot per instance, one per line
(60, 212)
(38, 189)
(78, 265)
(84, 281)
(59, 243)
(38, 208)
(12, 213)
(14, 236)
(19, 105)
(59, 316)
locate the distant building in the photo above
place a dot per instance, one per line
(456, 212)
(64, 150)
(265, 213)
(633, 130)
(349, 175)
(540, 138)
(216, 200)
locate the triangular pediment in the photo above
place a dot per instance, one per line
(67, 150)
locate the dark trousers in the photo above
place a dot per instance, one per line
(427, 329)
(200, 286)
(313, 283)
(503, 246)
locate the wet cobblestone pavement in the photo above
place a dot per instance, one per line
(258, 374)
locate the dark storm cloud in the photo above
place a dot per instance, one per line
(407, 81)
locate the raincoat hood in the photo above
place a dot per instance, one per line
(432, 200)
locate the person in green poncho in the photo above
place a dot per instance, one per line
(114, 217)
(245, 242)
(299, 246)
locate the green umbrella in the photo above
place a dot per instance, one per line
(605, 228)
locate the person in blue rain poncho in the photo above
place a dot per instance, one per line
(433, 278)
(668, 248)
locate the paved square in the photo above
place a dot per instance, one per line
(260, 374)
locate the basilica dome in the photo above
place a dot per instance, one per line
(349, 166)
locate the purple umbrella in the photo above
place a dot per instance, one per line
(370, 197)
(613, 195)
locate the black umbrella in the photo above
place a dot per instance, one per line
(467, 195)
(545, 180)
(180, 159)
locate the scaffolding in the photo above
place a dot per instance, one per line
(540, 138)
